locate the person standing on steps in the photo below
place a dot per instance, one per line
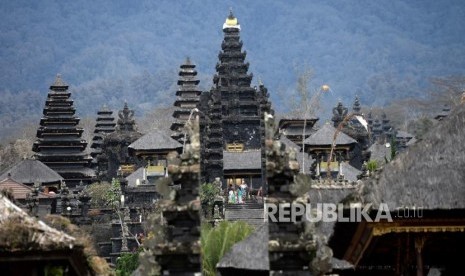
(245, 190)
(231, 195)
(239, 195)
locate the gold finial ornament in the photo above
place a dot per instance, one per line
(231, 21)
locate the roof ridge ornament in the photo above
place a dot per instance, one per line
(231, 21)
(59, 82)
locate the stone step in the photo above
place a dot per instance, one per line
(252, 222)
(238, 214)
(251, 205)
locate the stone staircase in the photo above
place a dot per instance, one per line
(249, 212)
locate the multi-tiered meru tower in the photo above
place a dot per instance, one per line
(187, 99)
(105, 124)
(59, 144)
(232, 110)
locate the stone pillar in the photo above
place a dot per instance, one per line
(289, 246)
(179, 252)
(33, 200)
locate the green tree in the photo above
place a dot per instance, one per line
(105, 194)
(98, 192)
(216, 241)
(393, 148)
(127, 263)
(208, 194)
(113, 195)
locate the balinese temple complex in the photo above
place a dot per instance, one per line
(228, 135)
(231, 128)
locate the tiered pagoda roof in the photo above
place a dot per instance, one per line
(380, 129)
(233, 109)
(59, 144)
(293, 128)
(443, 113)
(187, 98)
(357, 107)
(105, 124)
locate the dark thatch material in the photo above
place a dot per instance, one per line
(298, 118)
(411, 142)
(250, 254)
(404, 134)
(328, 195)
(430, 174)
(379, 153)
(289, 144)
(27, 245)
(156, 140)
(132, 178)
(30, 171)
(300, 156)
(443, 113)
(43, 236)
(246, 160)
(324, 137)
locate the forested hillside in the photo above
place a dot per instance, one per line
(114, 50)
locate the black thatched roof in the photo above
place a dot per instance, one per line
(324, 137)
(156, 140)
(289, 144)
(411, 142)
(137, 174)
(430, 174)
(379, 153)
(249, 254)
(299, 155)
(43, 236)
(246, 160)
(328, 195)
(404, 134)
(30, 171)
(298, 119)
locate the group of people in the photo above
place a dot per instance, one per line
(237, 194)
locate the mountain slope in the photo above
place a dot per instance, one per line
(110, 51)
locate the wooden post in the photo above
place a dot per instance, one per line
(419, 242)
(398, 256)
